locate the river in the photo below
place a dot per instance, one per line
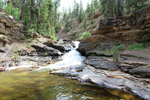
(39, 84)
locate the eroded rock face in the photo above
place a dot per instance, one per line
(127, 29)
(46, 51)
(99, 63)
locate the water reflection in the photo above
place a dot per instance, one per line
(44, 86)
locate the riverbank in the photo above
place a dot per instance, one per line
(86, 71)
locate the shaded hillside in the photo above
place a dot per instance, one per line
(78, 28)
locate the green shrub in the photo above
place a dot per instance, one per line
(139, 46)
(73, 33)
(28, 46)
(16, 54)
(144, 40)
(85, 35)
(59, 25)
(119, 48)
(15, 14)
(114, 52)
(67, 29)
(30, 32)
(136, 47)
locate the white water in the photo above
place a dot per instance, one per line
(72, 58)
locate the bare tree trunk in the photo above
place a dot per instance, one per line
(11, 6)
(22, 2)
(31, 12)
(116, 1)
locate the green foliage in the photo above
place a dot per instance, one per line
(53, 34)
(73, 33)
(136, 47)
(92, 22)
(46, 54)
(22, 37)
(2, 3)
(68, 25)
(28, 46)
(119, 48)
(59, 25)
(145, 38)
(67, 29)
(115, 51)
(85, 21)
(15, 11)
(16, 55)
(139, 46)
(115, 57)
(30, 32)
(93, 55)
(85, 35)
(41, 16)
(16, 51)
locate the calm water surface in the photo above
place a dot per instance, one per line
(40, 85)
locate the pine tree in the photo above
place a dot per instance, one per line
(85, 20)
(80, 17)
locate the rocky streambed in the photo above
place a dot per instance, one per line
(100, 72)
(92, 71)
(40, 51)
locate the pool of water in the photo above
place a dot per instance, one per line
(40, 85)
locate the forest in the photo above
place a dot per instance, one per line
(43, 15)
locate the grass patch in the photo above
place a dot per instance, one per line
(139, 46)
(85, 35)
(116, 49)
(114, 52)
(73, 33)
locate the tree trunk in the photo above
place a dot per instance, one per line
(11, 6)
(22, 2)
(116, 1)
(31, 12)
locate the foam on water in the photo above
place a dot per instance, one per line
(72, 58)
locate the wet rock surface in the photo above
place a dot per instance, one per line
(130, 74)
(99, 63)
(109, 79)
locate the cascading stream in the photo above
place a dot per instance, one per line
(40, 85)
(72, 58)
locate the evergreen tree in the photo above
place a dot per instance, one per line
(80, 17)
(85, 20)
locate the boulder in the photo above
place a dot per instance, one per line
(46, 51)
(56, 46)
